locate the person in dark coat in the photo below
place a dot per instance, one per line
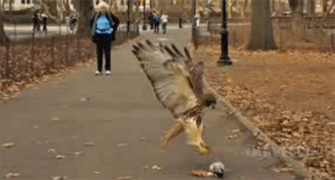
(73, 21)
(151, 20)
(104, 26)
(157, 21)
(36, 21)
(45, 22)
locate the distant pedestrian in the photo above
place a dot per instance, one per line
(165, 18)
(36, 21)
(197, 19)
(180, 22)
(45, 23)
(151, 20)
(73, 21)
(157, 21)
(104, 25)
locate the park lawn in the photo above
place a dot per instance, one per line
(290, 95)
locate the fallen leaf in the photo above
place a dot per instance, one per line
(60, 157)
(123, 144)
(146, 167)
(8, 145)
(199, 173)
(124, 178)
(49, 141)
(331, 124)
(89, 144)
(55, 119)
(11, 175)
(155, 167)
(85, 99)
(76, 153)
(281, 170)
(36, 127)
(52, 151)
(59, 178)
(235, 131)
(143, 139)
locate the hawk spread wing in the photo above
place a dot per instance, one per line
(176, 80)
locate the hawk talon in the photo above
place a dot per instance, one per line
(204, 149)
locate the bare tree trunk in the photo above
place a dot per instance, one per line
(273, 6)
(115, 7)
(312, 6)
(261, 37)
(244, 8)
(4, 38)
(297, 10)
(328, 10)
(326, 14)
(67, 11)
(85, 10)
(49, 8)
(231, 4)
(324, 6)
(137, 9)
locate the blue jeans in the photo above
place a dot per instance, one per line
(104, 46)
(164, 27)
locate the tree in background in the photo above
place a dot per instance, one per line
(261, 37)
(296, 7)
(85, 9)
(56, 10)
(4, 38)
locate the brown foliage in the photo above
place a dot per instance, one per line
(260, 85)
(23, 64)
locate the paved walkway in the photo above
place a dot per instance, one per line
(124, 121)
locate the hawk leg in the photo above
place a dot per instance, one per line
(194, 136)
(171, 133)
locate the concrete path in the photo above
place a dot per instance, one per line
(120, 115)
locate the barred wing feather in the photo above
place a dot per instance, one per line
(170, 80)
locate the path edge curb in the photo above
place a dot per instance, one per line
(300, 168)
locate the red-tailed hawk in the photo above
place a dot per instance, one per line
(178, 84)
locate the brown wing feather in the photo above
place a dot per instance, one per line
(171, 82)
(197, 73)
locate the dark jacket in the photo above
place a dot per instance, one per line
(114, 21)
(157, 20)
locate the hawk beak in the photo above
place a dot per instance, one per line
(213, 106)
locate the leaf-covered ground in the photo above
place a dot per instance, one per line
(289, 95)
(25, 64)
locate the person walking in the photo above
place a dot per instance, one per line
(151, 20)
(72, 21)
(104, 26)
(165, 18)
(45, 23)
(36, 21)
(197, 19)
(157, 20)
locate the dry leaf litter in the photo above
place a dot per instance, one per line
(305, 128)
